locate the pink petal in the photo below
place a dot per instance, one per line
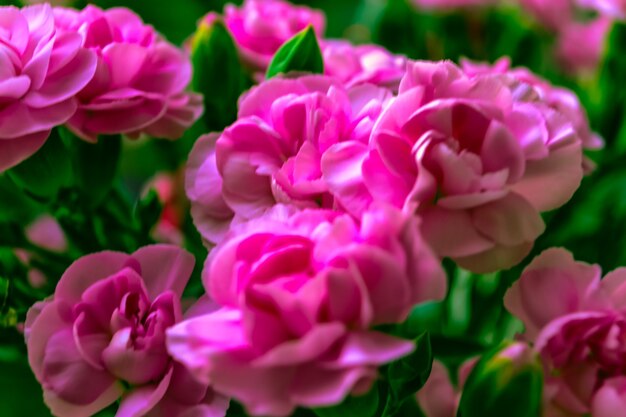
(164, 268)
(452, 232)
(139, 401)
(14, 151)
(550, 182)
(508, 221)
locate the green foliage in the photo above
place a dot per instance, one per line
(407, 375)
(94, 165)
(45, 173)
(218, 74)
(300, 53)
(499, 385)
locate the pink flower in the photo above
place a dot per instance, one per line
(580, 44)
(273, 153)
(260, 27)
(439, 397)
(301, 294)
(362, 64)
(452, 4)
(577, 323)
(560, 99)
(478, 158)
(140, 81)
(104, 329)
(41, 70)
(612, 8)
(46, 233)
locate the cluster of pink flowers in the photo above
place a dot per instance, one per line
(328, 206)
(260, 27)
(575, 320)
(580, 43)
(101, 72)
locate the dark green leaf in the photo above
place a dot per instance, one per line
(47, 171)
(407, 375)
(94, 164)
(300, 53)
(505, 381)
(148, 210)
(218, 75)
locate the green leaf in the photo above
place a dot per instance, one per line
(148, 211)
(407, 375)
(363, 406)
(506, 381)
(301, 53)
(94, 164)
(401, 29)
(47, 171)
(218, 75)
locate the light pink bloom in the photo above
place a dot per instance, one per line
(439, 397)
(358, 64)
(106, 325)
(261, 27)
(301, 295)
(46, 233)
(140, 82)
(612, 8)
(577, 323)
(560, 99)
(580, 44)
(273, 152)
(41, 70)
(478, 158)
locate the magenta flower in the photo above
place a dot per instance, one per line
(260, 27)
(41, 70)
(273, 153)
(362, 64)
(301, 294)
(140, 81)
(577, 323)
(560, 99)
(104, 329)
(478, 158)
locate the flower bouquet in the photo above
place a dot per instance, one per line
(365, 208)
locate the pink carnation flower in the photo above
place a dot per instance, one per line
(106, 325)
(261, 27)
(301, 294)
(41, 71)
(577, 323)
(362, 64)
(273, 153)
(140, 81)
(478, 158)
(560, 99)
(580, 44)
